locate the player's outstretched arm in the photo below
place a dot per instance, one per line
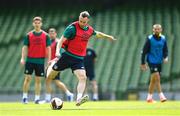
(23, 54)
(59, 44)
(103, 35)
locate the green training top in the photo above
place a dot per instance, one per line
(36, 60)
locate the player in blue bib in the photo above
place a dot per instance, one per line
(155, 52)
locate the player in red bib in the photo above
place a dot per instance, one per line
(36, 43)
(71, 49)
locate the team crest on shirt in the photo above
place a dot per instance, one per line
(37, 41)
(85, 37)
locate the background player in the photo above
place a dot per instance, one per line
(89, 63)
(54, 40)
(156, 51)
(36, 43)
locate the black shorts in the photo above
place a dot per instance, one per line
(38, 68)
(90, 74)
(155, 67)
(67, 61)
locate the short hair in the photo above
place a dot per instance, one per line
(85, 14)
(157, 25)
(37, 19)
(52, 30)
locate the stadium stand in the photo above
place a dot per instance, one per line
(118, 63)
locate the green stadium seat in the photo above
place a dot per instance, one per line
(118, 63)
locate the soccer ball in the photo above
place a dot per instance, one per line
(56, 103)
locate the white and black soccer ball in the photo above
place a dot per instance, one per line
(56, 103)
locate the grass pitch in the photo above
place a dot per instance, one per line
(101, 108)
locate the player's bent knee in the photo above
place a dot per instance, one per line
(52, 74)
(156, 74)
(27, 76)
(27, 79)
(38, 80)
(80, 74)
(95, 84)
(82, 77)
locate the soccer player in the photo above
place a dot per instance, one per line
(72, 46)
(89, 62)
(156, 51)
(36, 43)
(54, 40)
